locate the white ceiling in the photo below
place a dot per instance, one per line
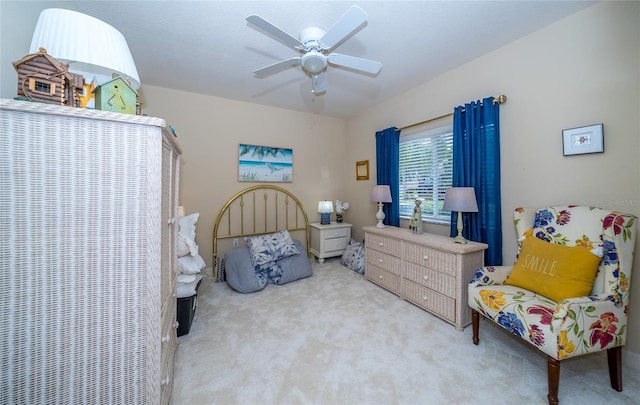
(207, 47)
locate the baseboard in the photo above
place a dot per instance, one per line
(631, 359)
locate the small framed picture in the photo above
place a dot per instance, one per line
(576, 141)
(362, 170)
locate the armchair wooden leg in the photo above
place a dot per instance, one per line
(553, 379)
(475, 324)
(614, 358)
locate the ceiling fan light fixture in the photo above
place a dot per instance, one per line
(314, 62)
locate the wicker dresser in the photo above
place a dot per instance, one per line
(87, 281)
(430, 271)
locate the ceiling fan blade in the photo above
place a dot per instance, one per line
(276, 32)
(352, 62)
(348, 23)
(319, 83)
(277, 67)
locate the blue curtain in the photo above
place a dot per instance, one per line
(388, 170)
(476, 163)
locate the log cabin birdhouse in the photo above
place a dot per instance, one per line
(116, 95)
(42, 78)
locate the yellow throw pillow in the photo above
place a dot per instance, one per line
(555, 271)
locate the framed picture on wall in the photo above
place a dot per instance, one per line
(265, 164)
(577, 141)
(362, 170)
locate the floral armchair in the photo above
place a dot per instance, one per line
(571, 326)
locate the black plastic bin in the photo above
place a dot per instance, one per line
(186, 311)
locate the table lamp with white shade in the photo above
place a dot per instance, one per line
(380, 194)
(91, 47)
(325, 208)
(460, 199)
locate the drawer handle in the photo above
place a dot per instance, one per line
(381, 244)
(379, 260)
(165, 338)
(424, 298)
(425, 277)
(175, 325)
(380, 277)
(425, 257)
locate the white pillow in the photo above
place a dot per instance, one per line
(187, 225)
(182, 247)
(187, 228)
(188, 289)
(190, 264)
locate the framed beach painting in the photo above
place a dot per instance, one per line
(265, 164)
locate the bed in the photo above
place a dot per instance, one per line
(260, 237)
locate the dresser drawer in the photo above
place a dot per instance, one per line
(438, 304)
(383, 278)
(383, 260)
(435, 259)
(383, 244)
(430, 278)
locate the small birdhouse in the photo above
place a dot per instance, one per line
(116, 95)
(42, 78)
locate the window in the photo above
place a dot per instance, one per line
(426, 171)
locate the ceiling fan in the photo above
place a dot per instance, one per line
(315, 46)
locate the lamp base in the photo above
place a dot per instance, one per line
(460, 239)
(380, 216)
(325, 218)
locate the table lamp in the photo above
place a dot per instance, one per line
(91, 47)
(460, 199)
(380, 194)
(325, 208)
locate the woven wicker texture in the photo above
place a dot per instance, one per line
(81, 253)
(428, 270)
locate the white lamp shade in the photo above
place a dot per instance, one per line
(381, 193)
(325, 207)
(460, 199)
(90, 46)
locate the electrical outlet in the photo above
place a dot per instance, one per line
(235, 242)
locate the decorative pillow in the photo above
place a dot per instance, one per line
(295, 267)
(240, 273)
(555, 271)
(353, 256)
(266, 249)
(190, 264)
(187, 227)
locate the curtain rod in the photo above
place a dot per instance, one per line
(499, 100)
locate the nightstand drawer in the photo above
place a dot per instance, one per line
(430, 278)
(335, 243)
(442, 261)
(337, 233)
(383, 244)
(383, 260)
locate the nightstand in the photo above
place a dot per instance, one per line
(329, 240)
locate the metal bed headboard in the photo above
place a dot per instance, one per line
(257, 210)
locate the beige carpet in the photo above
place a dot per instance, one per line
(335, 338)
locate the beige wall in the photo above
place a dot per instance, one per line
(209, 131)
(583, 70)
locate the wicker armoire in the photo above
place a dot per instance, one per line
(88, 206)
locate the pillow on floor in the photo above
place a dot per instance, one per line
(555, 271)
(295, 267)
(267, 249)
(240, 273)
(353, 256)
